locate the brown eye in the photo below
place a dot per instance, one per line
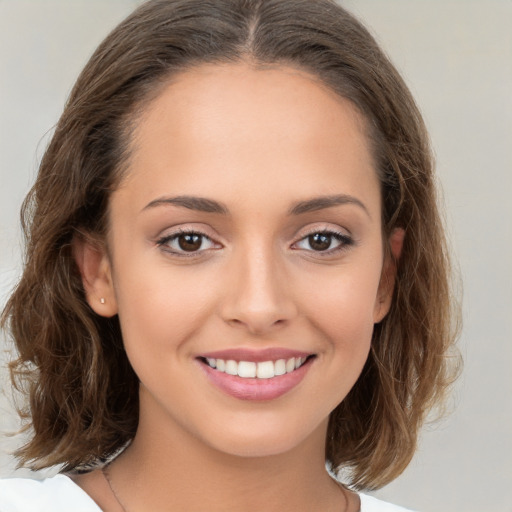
(327, 242)
(190, 242)
(185, 243)
(319, 241)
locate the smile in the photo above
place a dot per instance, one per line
(258, 370)
(261, 375)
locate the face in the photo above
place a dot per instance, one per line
(245, 257)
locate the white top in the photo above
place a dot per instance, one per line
(58, 493)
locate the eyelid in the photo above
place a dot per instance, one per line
(163, 240)
(346, 240)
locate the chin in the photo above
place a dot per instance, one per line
(269, 440)
(252, 448)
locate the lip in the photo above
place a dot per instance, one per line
(254, 388)
(255, 356)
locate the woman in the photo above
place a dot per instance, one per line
(227, 286)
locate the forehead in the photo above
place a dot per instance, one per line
(238, 96)
(234, 124)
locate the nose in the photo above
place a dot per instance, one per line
(258, 294)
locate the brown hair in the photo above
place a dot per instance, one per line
(83, 394)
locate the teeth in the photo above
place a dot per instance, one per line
(261, 370)
(280, 367)
(265, 370)
(231, 367)
(246, 369)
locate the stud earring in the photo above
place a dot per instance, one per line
(102, 300)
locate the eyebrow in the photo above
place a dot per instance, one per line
(200, 204)
(323, 202)
(203, 204)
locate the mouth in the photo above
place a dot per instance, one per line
(265, 375)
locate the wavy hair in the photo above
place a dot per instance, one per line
(82, 392)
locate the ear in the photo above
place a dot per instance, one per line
(96, 271)
(388, 275)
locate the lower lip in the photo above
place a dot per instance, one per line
(256, 389)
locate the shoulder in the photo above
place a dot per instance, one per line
(55, 494)
(371, 504)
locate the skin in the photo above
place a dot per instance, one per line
(258, 141)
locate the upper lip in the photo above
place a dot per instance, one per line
(255, 355)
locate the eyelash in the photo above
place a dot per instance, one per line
(165, 240)
(345, 242)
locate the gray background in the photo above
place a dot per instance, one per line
(456, 56)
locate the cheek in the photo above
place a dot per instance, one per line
(160, 310)
(340, 311)
(343, 303)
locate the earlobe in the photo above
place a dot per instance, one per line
(388, 275)
(95, 269)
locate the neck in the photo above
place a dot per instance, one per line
(167, 468)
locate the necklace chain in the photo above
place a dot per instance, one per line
(104, 470)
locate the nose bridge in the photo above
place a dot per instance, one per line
(258, 296)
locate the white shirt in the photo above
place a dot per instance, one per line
(59, 493)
